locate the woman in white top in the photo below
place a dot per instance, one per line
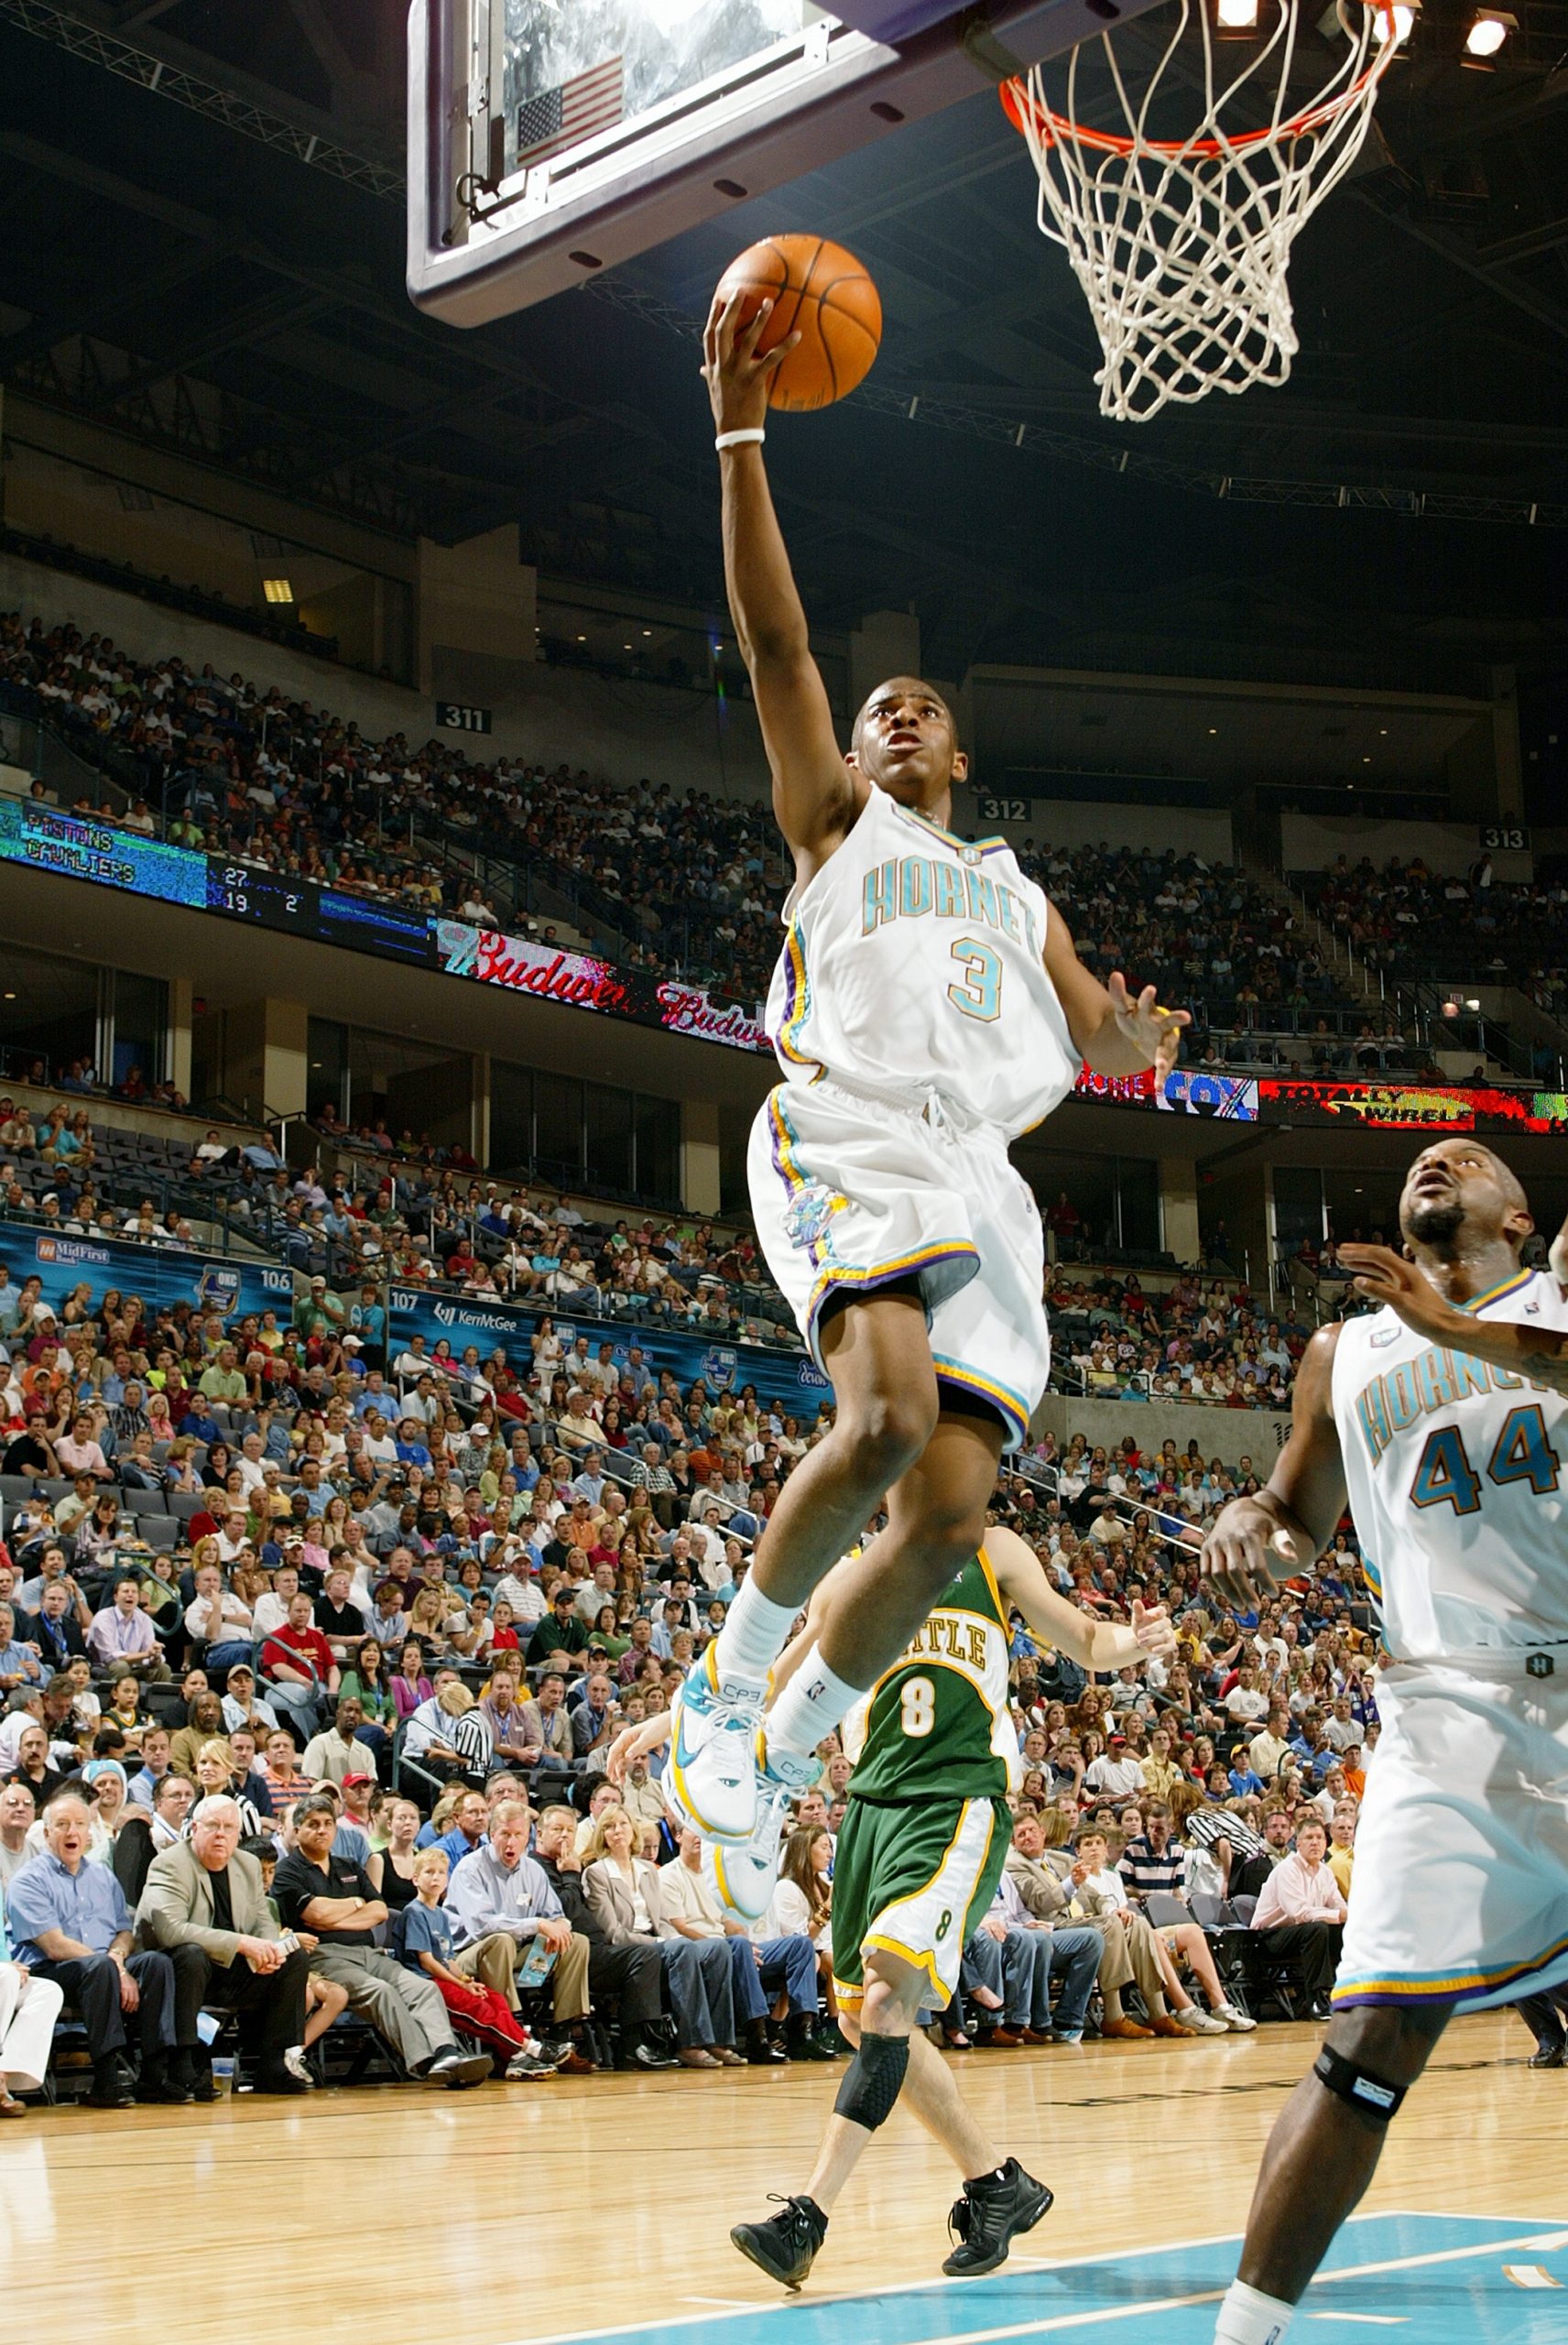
(802, 1900)
(622, 1891)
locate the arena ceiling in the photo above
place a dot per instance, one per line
(216, 266)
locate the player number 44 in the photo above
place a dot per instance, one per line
(1522, 1453)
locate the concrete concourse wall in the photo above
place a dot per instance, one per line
(1225, 1434)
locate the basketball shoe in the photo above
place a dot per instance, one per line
(786, 2245)
(745, 1875)
(991, 2213)
(711, 1780)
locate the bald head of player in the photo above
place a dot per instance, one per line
(906, 742)
(1457, 1195)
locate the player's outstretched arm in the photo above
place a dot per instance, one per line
(1095, 1645)
(1115, 1034)
(1293, 1516)
(815, 795)
(1383, 1276)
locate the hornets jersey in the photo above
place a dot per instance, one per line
(913, 962)
(1455, 1471)
(937, 1725)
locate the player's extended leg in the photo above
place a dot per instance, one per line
(885, 1390)
(936, 1520)
(1321, 2156)
(892, 2058)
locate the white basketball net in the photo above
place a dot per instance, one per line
(1181, 246)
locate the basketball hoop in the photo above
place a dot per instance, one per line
(1183, 245)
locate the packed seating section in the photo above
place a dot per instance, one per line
(219, 764)
(305, 1522)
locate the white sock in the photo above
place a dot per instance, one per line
(1250, 2318)
(810, 1706)
(754, 1633)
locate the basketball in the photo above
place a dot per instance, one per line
(820, 292)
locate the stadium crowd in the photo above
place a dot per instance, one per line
(311, 1656)
(370, 1213)
(218, 764)
(1410, 919)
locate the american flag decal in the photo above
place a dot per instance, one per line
(561, 117)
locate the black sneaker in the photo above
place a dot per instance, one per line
(786, 2245)
(991, 2214)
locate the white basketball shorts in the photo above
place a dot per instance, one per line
(1460, 1891)
(852, 1192)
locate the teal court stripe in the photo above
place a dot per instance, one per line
(1435, 2277)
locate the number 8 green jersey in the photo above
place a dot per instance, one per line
(937, 1725)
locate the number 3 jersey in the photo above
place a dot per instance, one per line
(937, 1725)
(914, 961)
(1456, 1470)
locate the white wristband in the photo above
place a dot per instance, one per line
(739, 439)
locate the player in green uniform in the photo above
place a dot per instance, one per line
(920, 1854)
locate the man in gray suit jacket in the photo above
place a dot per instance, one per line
(203, 1904)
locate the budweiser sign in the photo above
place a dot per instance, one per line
(583, 981)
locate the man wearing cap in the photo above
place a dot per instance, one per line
(562, 1631)
(1116, 1774)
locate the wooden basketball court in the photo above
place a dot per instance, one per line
(525, 2213)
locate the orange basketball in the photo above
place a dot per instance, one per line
(820, 292)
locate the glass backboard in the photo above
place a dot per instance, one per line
(551, 138)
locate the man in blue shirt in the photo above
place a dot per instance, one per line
(70, 1922)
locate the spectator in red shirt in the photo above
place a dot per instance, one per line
(283, 1658)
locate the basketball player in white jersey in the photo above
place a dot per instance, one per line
(928, 1007)
(1445, 1416)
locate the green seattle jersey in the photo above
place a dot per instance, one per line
(937, 1725)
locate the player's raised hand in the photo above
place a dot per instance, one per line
(736, 376)
(634, 1742)
(1146, 1022)
(1236, 1555)
(1153, 1629)
(1383, 1276)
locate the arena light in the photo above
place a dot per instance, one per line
(1489, 32)
(1235, 20)
(1335, 23)
(278, 590)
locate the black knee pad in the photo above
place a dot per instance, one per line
(873, 2080)
(1374, 2096)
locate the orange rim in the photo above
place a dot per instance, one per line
(1060, 129)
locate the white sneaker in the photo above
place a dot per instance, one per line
(297, 2061)
(711, 1778)
(1198, 2022)
(744, 1879)
(1237, 2021)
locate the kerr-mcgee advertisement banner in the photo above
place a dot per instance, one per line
(163, 1277)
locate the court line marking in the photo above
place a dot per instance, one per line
(1544, 2241)
(1103, 2316)
(1364, 2319)
(1529, 2275)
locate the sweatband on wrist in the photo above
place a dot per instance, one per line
(740, 439)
